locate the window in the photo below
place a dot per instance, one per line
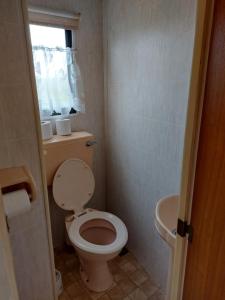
(57, 74)
(47, 36)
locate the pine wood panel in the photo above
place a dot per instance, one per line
(205, 271)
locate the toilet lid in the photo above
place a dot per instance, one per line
(73, 185)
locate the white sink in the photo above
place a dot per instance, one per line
(166, 215)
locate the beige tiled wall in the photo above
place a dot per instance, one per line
(90, 57)
(18, 146)
(148, 51)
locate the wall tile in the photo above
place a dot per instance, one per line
(18, 146)
(17, 106)
(148, 54)
(30, 249)
(13, 65)
(6, 292)
(9, 11)
(4, 155)
(90, 59)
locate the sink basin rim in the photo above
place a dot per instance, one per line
(165, 232)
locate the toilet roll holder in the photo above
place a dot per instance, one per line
(16, 178)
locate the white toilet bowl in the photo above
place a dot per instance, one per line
(97, 236)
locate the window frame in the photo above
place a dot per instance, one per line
(55, 18)
(69, 38)
(70, 22)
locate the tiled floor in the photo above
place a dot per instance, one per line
(131, 282)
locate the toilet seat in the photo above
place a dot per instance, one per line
(81, 243)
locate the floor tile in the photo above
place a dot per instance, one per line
(67, 279)
(148, 288)
(113, 267)
(71, 264)
(119, 276)
(116, 293)
(59, 264)
(75, 290)
(137, 295)
(112, 286)
(130, 257)
(128, 267)
(139, 277)
(127, 286)
(157, 296)
(83, 296)
(64, 296)
(104, 297)
(131, 282)
(121, 259)
(95, 295)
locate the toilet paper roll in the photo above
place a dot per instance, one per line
(46, 130)
(16, 203)
(63, 126)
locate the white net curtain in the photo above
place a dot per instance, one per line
(58, 80)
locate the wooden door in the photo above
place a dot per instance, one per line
(205, 269)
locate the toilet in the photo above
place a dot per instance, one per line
(97, 236)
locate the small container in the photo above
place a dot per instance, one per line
(63, 126)
(59, 284)
(46, 130)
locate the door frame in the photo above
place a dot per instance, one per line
(24, 6)
(204, 18)
(4, 236)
